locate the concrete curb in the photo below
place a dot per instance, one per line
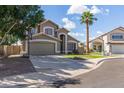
(97, 65)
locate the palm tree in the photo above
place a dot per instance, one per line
(88, 19)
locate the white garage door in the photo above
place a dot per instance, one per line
(44, 48)
(118, 49)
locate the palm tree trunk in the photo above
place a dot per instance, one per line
(87, 37)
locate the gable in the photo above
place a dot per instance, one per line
(62, 30)
(48, 24)
(70, 38)
(116, 30)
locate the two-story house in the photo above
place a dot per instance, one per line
(48, 39)
(109, 43)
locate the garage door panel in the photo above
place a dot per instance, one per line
(118, 49)
(45, 48)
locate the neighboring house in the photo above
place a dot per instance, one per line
(48, 38)
(109, 43)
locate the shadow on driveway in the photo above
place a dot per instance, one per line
(49, 72)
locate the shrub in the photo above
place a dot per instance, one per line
(75, 52)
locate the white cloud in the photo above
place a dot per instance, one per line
(107, 11)
(90, 38)
(77, 9)
(76, 34)
(99, 32)
(68, 24)
(95, 10)
(75, 17)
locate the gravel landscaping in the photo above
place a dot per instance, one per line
(15, 66)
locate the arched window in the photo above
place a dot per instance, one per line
(49, 30)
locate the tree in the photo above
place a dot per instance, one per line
(15, 20)
(88, 19)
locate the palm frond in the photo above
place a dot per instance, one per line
(87, 16)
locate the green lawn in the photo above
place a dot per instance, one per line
(84, 56)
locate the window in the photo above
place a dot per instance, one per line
(33, 31)
(117, 37)
(49, 30)
(71, 46)
(56, 34)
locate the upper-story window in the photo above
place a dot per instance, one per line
(56, 34)
(49, 30)
(117, 37)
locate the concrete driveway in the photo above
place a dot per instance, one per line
(59, 66)
(110, 74)
(48, 70)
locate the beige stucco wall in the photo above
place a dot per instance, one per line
(41, 37)
(59, 32)
(106, 46)
(47, 24)
(62, 31)
(108, 38)
(71, 39)
(117, 31)
(90, 45)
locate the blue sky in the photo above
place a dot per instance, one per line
(109, 17)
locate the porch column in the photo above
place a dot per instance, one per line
(103, 53)
(92, 45)
(66, 51)
(110, 49)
